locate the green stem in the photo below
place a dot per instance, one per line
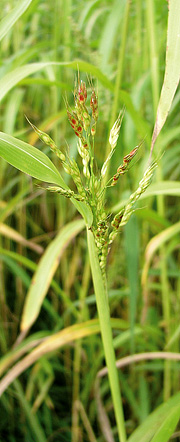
(106, 333)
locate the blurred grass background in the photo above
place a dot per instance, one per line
(121, 44)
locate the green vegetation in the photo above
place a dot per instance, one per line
(89, 248)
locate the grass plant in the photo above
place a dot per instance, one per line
(84, 298)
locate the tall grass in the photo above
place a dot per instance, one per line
(64, 395)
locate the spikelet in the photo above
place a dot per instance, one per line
(114, 133)
(67, 193)
(124, 167)
(113, 138)
(80, 97)
(84, 153)
(94, 105)
(76, 176)
(48, 141)
(123, 216)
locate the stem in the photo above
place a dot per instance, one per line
(106, 333)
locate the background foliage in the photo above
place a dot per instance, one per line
(122, 45)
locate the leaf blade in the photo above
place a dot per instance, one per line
(45, 272)
(11, 18)
(172, 70)
(29, 159)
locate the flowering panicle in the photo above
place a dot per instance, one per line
(91, 186)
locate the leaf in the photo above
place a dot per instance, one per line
(29, 160)
(84, 210)
(113, 23)
(32, 161)
(168, 426)
(132, 256)
(49, 344)
(172, 70)
(155, 243)
(10, 19)
(45, 272)
(158, 420)
(11, 233)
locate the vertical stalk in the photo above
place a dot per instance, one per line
(106, 333)
(77, 356)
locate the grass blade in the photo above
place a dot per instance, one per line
(29, 160)
(168, 426)
(172, 70)
(155, 420)
(50, 344)
(10, 19)
(45, 272)
(155, 243)
(36, 428)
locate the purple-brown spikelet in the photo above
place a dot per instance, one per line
(82, 92)
(123, 167)
(94, 105)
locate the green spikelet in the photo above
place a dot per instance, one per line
(67, 193)
(123, 216)
(48, 141)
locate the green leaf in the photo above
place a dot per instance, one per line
(132, 254)
(32, 161)
(84, 210)
(29, 160)
(172, 70)
(168, 426)
(163, 421)
(112, 25)
(155, 243)
(10, 19)
(49, 344)
(45, 272)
